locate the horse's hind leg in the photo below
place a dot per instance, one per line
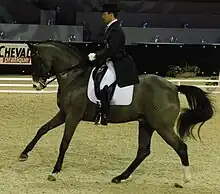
(144, 141)
(57, 120)
(180, 147)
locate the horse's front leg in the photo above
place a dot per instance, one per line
(56, 121)
(70, 127)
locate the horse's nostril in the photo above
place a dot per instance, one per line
(34, 86)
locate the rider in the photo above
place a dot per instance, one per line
(125, 69)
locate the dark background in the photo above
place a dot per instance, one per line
(29, 11)
(153, 59)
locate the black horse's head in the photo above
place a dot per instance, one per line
(41, 66)
(51, 58)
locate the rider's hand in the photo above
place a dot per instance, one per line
(91, 56)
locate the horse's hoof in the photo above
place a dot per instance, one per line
(23, 157)
(178, 185)
(116, 180)
(51, 177)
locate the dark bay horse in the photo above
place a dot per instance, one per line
(155, 105)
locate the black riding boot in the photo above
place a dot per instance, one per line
(105, 105)
(98, 74)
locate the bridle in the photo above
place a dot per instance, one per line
(59, 74)
(65, 71)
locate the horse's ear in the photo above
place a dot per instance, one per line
(31, 45)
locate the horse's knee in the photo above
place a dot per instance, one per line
(146, 153)
(42, 131)
(143, 152)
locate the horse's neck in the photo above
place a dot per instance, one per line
(74, 79)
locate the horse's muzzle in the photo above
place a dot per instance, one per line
(38, 86)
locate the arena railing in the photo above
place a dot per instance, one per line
(29, 87)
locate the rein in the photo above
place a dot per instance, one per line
(61, 74)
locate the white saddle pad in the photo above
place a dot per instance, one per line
(122, 96)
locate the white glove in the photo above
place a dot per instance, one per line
(91, 56)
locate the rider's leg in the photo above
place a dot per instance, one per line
(105, 101)
(105, 97)
(100, 72)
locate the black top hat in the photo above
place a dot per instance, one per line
(110, 8)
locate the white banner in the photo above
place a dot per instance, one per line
(14, 54)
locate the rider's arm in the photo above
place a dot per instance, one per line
(112, 47)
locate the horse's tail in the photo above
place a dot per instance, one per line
(201, 110)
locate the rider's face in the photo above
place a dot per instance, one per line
(107, 17)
